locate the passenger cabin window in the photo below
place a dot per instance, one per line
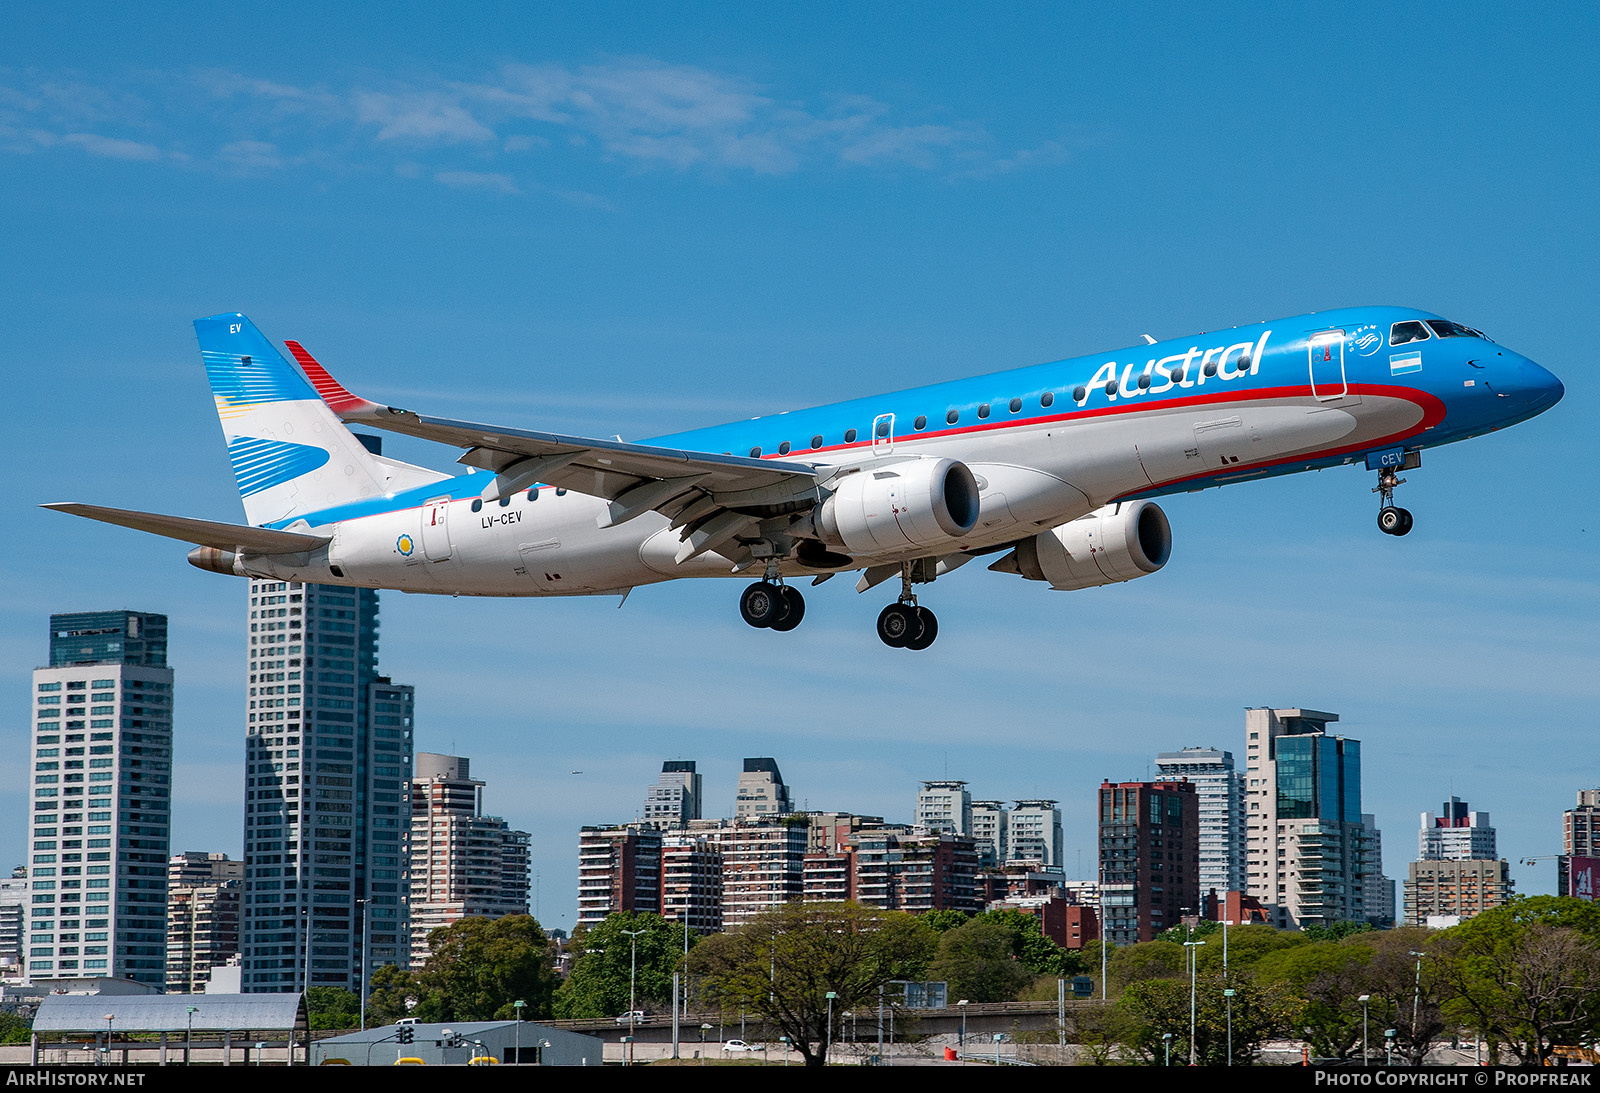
(755, 453)
(921, 422)
(952, 417)
(850, 436)
(983, 410)
(816, 441)
(1016, 406)
(783, 449)
(883, 428)
(1047, 398)
(1409, 331)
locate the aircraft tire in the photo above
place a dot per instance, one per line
(759, 604)
(896, 624)
(1392, 521)
(929, 629)
(791, 608)
(1405, 522)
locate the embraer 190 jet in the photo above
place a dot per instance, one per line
(1048, 470)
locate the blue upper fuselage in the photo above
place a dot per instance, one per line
(1479, 386)
(1466, 385)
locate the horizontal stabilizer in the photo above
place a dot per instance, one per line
(211, 533)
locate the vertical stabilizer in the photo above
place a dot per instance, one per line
(292, 457)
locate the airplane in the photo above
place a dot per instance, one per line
(1051, 469)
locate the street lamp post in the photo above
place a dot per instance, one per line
(961, 1040)
(1364, 1000)
(1388, 1037)
(1416, 997)
(633, 976)
(105, 1057)
(827, 1043)
(1166, 1042)
(361, 984)
(188, 1035)
(1193, 948)
(517, 1052)
(1228, 994)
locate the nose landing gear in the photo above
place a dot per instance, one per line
(1391, 519)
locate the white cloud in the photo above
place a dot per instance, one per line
(477, 180)
(419, 116)
(646, 113)
(112, 147)
(250, 155)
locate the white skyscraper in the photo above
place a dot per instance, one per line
(101, 799)
(675, 798)
(1033, 830)
(761, 792)
(989, 822)
(945, 806)
(1220, 790)
(1456, 834)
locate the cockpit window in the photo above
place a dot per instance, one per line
(1447, 329)
(1411, 331)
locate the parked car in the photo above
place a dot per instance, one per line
(632, 1017)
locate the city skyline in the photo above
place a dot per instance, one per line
(758, 214)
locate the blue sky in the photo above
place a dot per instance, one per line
(636, 219)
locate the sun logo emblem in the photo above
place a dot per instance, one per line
(404, 545)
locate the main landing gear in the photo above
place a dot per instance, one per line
(768, 605)
(1391, 520)
(904, 625)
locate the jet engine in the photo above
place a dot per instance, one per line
(1116, 543)
(916, 502)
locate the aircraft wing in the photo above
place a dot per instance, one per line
(234, 537)
(686, 486)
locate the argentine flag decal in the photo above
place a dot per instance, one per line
(1401, 363)
(261, 464)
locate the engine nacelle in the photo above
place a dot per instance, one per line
(1116, 543)
(916, 502)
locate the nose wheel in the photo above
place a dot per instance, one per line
(769, 606)
(1392, 520)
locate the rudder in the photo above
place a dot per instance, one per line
(291, 456)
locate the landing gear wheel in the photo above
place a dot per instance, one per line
(897, 624)
(791, 608)
(929, 629)
(1394, 521)
(760, 604)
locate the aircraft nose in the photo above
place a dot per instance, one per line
(1537, 385)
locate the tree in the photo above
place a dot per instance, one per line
(785, 963)
(597, 985)
(1528, 974)
(476, 969)
(333, 1008)
(1408, 990)
(1161, 1007)
(979, 962)
(1329, 977)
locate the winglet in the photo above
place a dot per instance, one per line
(349, 407)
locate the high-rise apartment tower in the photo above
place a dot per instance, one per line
(327, 792)
(101, 800)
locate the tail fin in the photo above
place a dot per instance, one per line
(292, 457)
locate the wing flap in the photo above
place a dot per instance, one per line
(211, 533)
